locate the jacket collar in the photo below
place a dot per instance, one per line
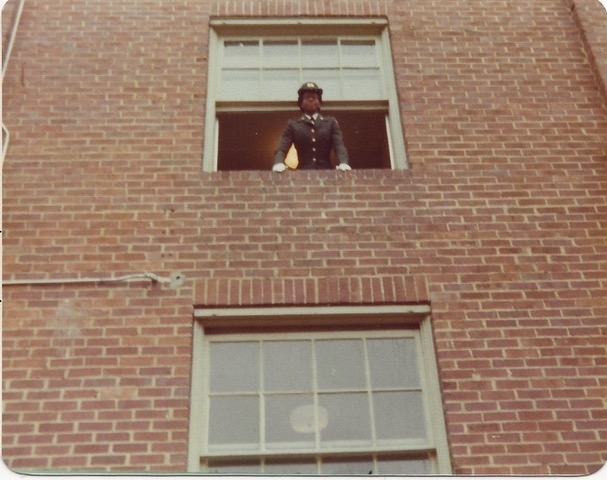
(305, 118)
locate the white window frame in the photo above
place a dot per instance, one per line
(223, 29)
(237, 322)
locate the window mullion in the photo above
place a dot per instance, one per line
(340, 69)
(314, 378)
(315, 394)
(300, 60)
(262, 403)
(260, 68)
(369, 394)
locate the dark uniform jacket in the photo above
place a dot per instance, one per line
(313, 142)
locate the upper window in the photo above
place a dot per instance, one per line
(300, 398)
(256, 67)
(271, 69)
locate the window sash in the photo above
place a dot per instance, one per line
(309, 321)
(414, 463)
(248, 71)
(262, 444)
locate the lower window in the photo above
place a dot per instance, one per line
(307, 400)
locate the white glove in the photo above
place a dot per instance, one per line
(343, 166)
(279, 167)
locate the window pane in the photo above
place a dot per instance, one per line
(340, 364)
(241, 54)
(363, 84)
(392, 363)
(234, 367)
(291, 467)
(329, 81)
(239, 85)
(399, 415)
(280, 54)
(317, 54)
(358, 54)
(393, 465)
(280, 84)
(234, 420)
(347, 418)
(347, 466)
(287, 366)
(292, 419)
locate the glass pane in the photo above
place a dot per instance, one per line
(393, 465)
(287, 366)
(241, 54)
(291, 467)
(234, 367)
(280, 54)
(292, 419)
(317, 54)
(358, 54)
(347, 466)
(239, 85)
(347, 418)
(399, 415)
(340, 364)
(363, 84)
(234, 420)
(234, 467)
(327, 79)
(392, 363)
(280, 84)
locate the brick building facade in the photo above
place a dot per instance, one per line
(114, 234)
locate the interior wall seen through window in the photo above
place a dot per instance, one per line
(247, 140)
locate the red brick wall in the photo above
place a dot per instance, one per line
(500, 224)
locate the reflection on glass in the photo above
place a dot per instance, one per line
(234, 420)
(340, 364)
(347, 466)
(280, 54)
(348, 417)
(290, 418)
(392, 363)
(239, 84)
(363, 84)
(358, 53)
(319, 54)
(279, 84)
(399, 415)
(241, 54)
(287, 366)
(234, 367)
(328, 79)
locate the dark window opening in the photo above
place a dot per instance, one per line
(247, 140)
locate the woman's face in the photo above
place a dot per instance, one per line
(310, 103)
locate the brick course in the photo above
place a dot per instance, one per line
(499, 225)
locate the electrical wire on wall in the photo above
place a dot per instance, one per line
(176, 279)
(6, 56)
